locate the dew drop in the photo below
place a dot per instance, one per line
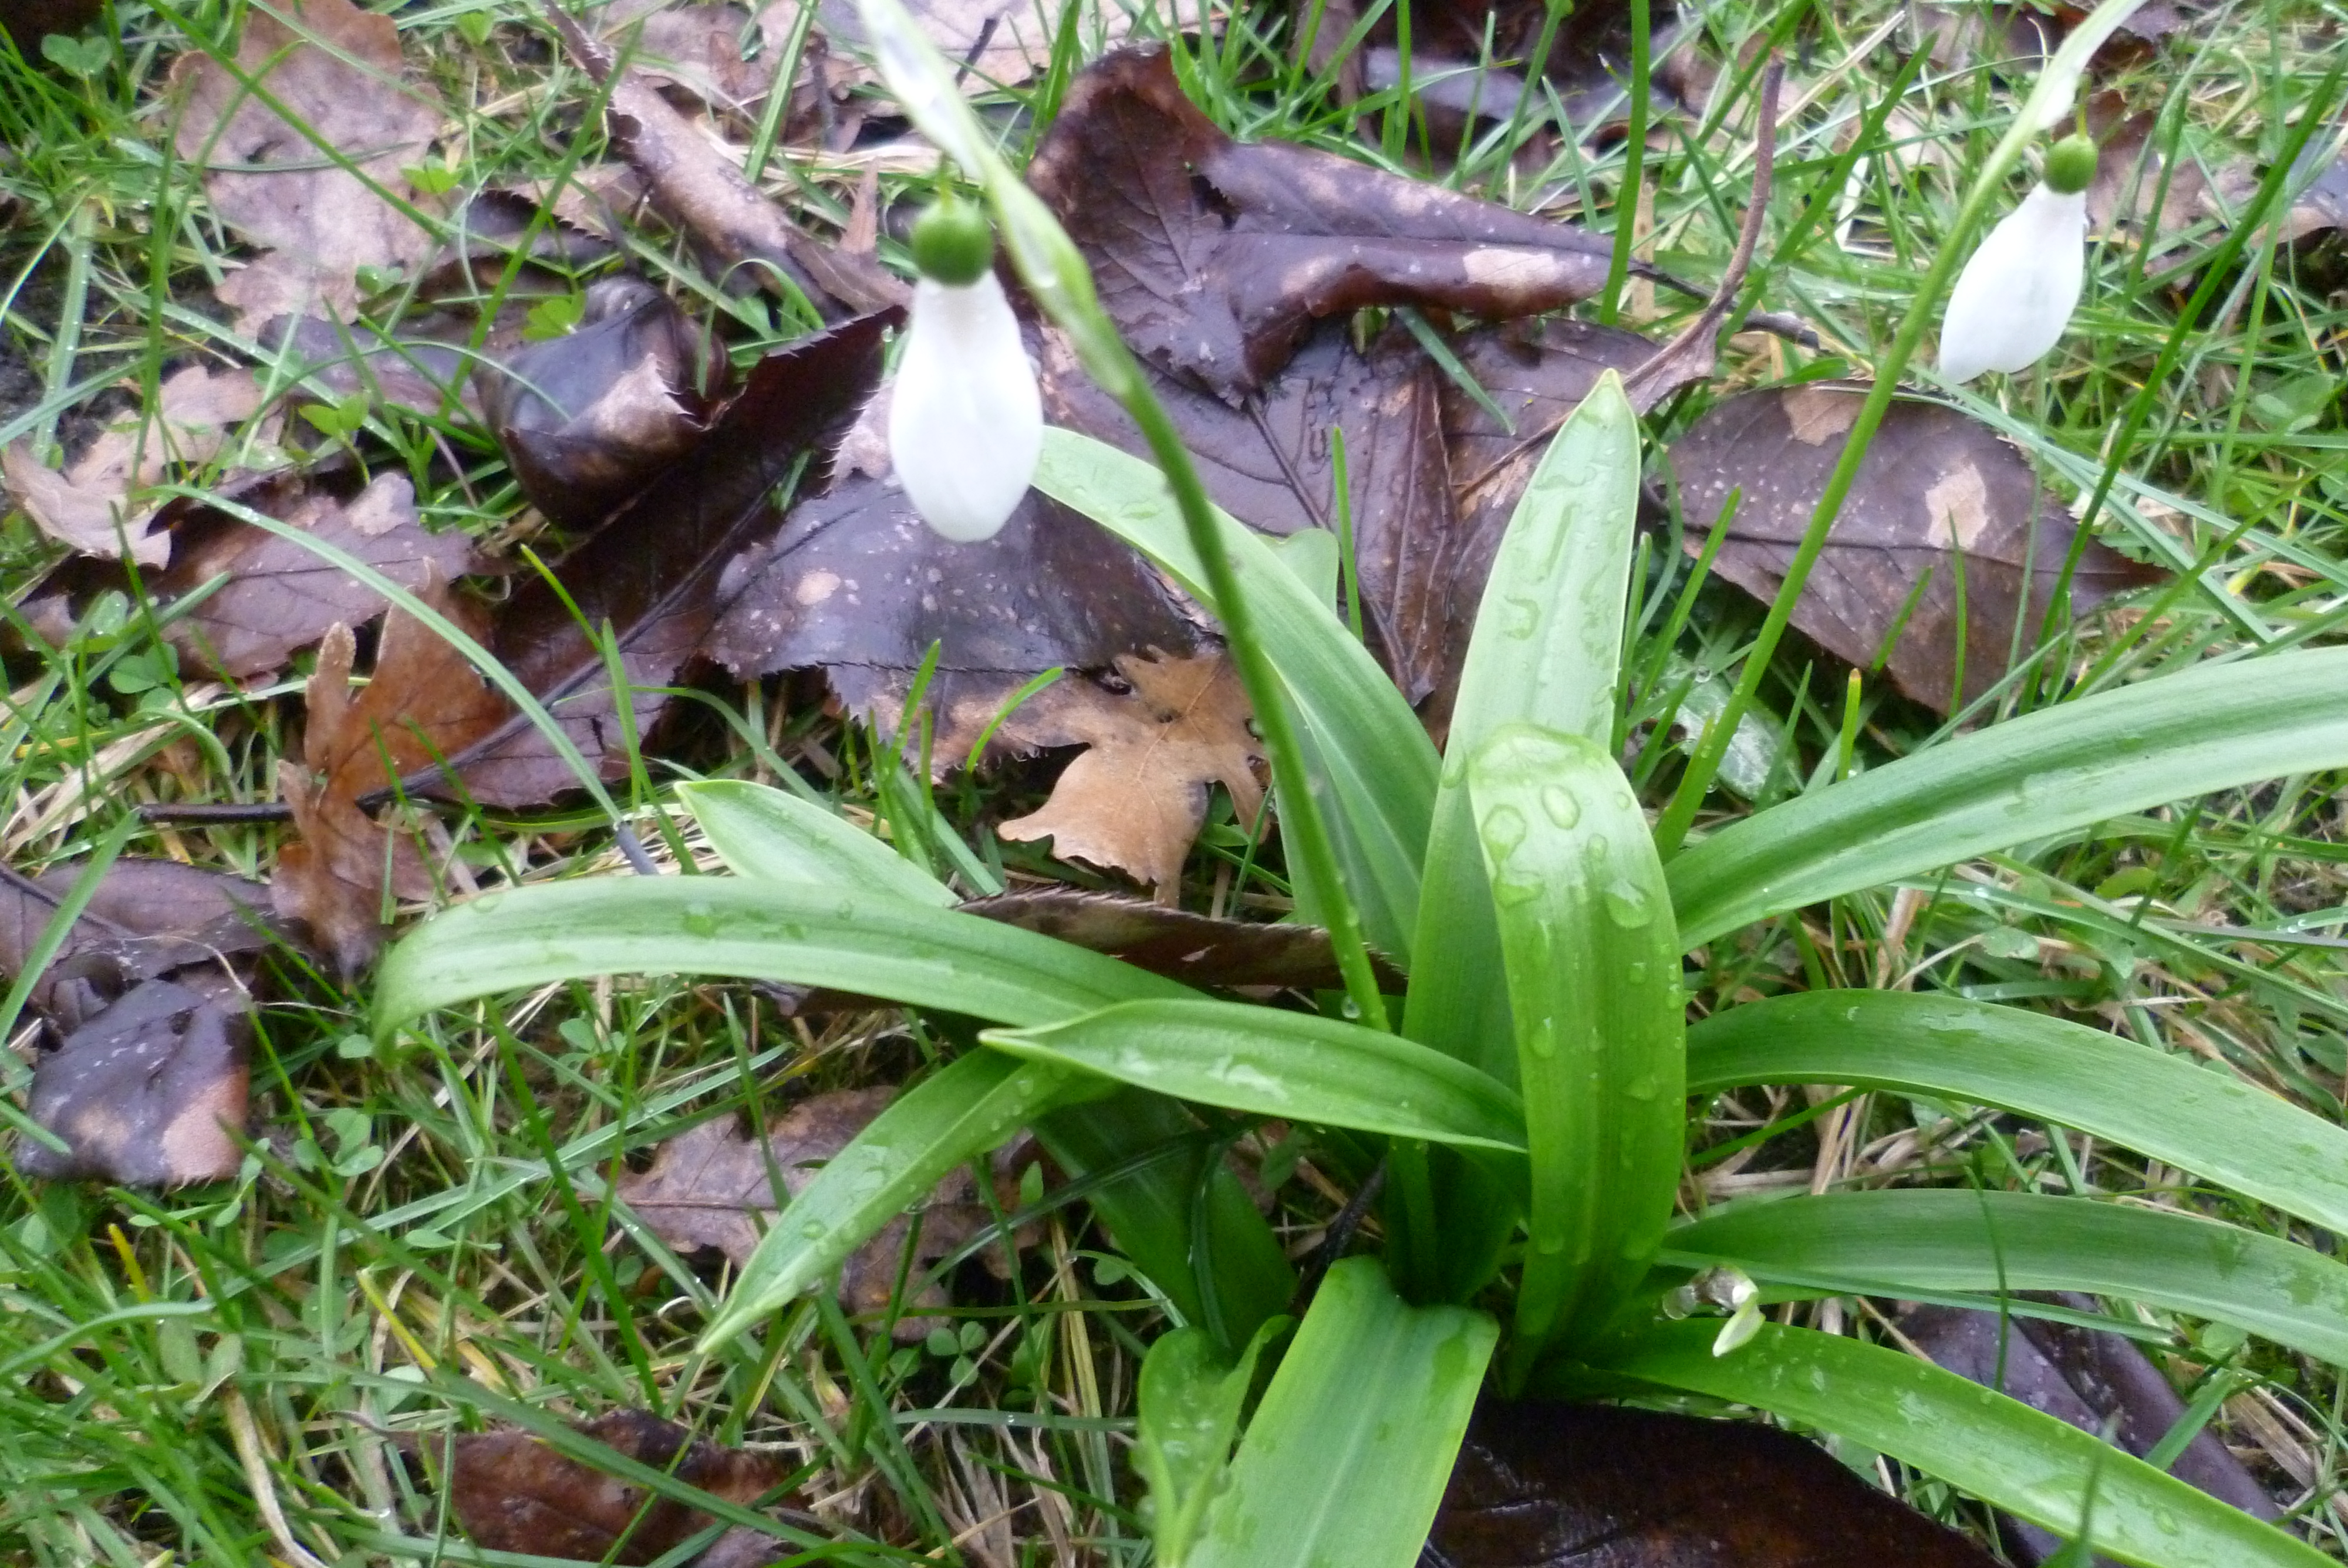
(1557, 802)
(1519, 616)
(1503, 830)
(1626, 904)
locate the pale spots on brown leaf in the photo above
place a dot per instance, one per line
(1958, 504)
(1817, 416)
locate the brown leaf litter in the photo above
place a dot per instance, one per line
(512, 1492)
(1942, 508)
(424, 701)
(337, 70)
(90, 506)
(708, 1187)
(147, 1081)
(1135, 799)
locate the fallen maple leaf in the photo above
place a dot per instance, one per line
(424, 701)
(1938, 493)
(1138, 796)
(337, 70)
(87, 505)
(515, 1492)
(708, 1187)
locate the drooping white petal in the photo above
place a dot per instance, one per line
(965, 421)
(2016, 292)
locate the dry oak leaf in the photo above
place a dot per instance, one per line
(424, 701)
(337, 69)
(708, 1187)
(87, 506)
(515, 1492)
(1137, 798)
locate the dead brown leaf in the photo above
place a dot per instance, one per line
(89, 505)
(1214, 256)
(586, 418)
(659, 572)
(1193, 949)
(424, 701)
(1541, 1485)
(147, 1082)
(515, 1492)
(337, 69)
(1940, 501)
(696, 188)
(708, 1187)
(279, 597)
(1136, 797)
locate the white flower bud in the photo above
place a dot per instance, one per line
(2017, 291)
(965, 421)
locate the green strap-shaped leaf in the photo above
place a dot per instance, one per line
(1288, 1064)
(1347, 1456)
(954, 1115)
(1547, 652)
(1593, 975)
(776, 836)
(878, 945)
(1997, 1448)
(2208, 1123)
(2213, 727)
(1940, 1240)
(1191, 1397)
(1190, 1227)
(1367, 749)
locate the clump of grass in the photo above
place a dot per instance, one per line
(423, 1240)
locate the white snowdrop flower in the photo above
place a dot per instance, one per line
(965, 421)
(2017, 291)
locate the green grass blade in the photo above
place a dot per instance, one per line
(776, 836)
(1365, 748)
(1295, 1065)
(1547, 651)
(954, 1115)
(2208, 1123)
(1997, 1448)
(876, 945)
(2214, 727)
(1191, 1228)
(1347, 1456)
(1941, 1241)
(1594, 976)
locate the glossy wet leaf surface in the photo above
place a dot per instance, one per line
(1542, 1485)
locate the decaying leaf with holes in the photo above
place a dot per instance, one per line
(89, 505)
(1946, 541)
(1136, 797)
(708, 1188)
(321, 192)
(147, 1082)
(513, 1491)
(424, 701)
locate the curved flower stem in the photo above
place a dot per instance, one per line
(2048, 102)
(1061, 283)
